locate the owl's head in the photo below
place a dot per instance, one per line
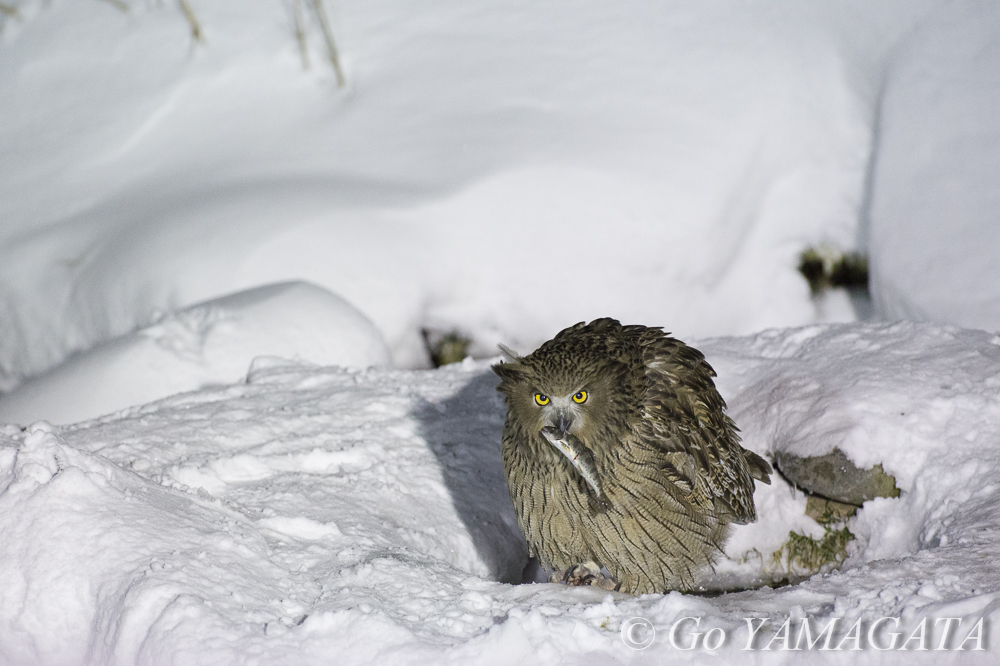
(578, 389)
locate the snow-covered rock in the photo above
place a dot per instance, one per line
(921, 400)
(209, 343)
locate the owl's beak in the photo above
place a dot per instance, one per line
(565, 421)
(560, 420)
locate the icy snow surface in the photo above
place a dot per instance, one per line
(314, 512)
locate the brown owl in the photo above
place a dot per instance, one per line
(618, 453)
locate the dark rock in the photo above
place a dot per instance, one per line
(445, 347)
(835, 477)
(825, 511)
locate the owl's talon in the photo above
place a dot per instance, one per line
(603, 582)
(587, 573)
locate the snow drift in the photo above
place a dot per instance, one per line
(313, 511)
(664, 164)
(208, 343)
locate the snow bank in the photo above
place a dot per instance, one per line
(209, 343)
(314, 513)
(922, 401)
(503, 173)
(934, 237)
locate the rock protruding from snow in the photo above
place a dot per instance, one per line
(835, 477)
(210, 343)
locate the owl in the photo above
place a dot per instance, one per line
(618, 454)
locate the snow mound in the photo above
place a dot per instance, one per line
(922, 400)
(666, 162)
(129, 561)
(287, 495)
(934, 237)
(313, 512)
(210, 343)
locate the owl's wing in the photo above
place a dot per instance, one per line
(683, 419)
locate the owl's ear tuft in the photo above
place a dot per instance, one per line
(509, 369)
(509, 355)
(509, 373)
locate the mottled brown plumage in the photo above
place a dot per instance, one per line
(633, 415)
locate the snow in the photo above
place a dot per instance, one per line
(934, 233)
(215, 267)
(923, 401)
(208, 343)
(470, 148)
(313, 511)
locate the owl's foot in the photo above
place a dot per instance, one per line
(588, 573)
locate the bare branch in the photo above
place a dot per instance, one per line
(331, 47)
(119, 5)
(192, 21)
(300, 32)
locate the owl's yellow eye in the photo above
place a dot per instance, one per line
(580, 397)
(541, 399)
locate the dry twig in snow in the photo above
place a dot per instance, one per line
(119, 4)
(331, 48)
(193, 21)
(300, 32)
